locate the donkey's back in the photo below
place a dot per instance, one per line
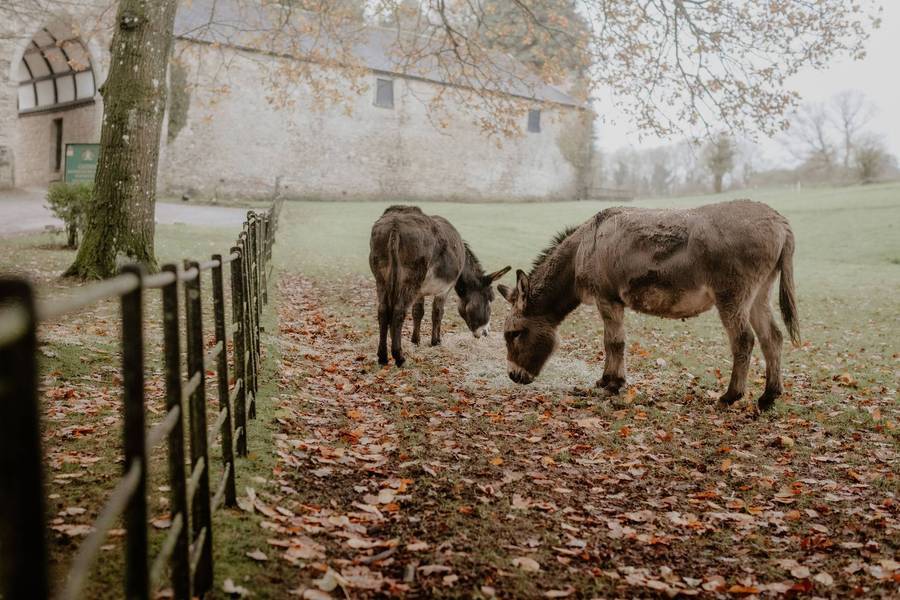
(412, 249)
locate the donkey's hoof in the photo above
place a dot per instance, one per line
(415, 340)
(382, 359)
(767, 400)
(435, 342)
(399, 361)
(729, 398)
(610, 384)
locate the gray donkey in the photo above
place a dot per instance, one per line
(674, 263)
(413, 255)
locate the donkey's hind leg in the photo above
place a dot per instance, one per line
(437, 315)
(770, 340)
(736, 320)
(418, 311)
(384, 321)
(401, 306)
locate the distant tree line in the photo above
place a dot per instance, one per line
(828, 143)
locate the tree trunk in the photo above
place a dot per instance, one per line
(717, 184)
(120, 219)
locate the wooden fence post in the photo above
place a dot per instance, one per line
(181, 556)
(250, 319)
(23, 570)
(238, 312)
(263, 259)
(201, 512)
(137, 577)
(222, 376)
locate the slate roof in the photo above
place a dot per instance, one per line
(247, 25)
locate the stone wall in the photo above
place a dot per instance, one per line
(8, 116)
(229, 139)
(236, 143)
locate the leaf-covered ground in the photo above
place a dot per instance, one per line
(444, 479)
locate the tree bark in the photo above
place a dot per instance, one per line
(120, 219)
(717, 182)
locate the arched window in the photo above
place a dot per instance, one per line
(55, 71)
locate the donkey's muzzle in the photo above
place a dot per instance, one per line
(520, 376)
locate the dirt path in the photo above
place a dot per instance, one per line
(445, 480)
(25, 210)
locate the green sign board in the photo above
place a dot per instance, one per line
(81, 162)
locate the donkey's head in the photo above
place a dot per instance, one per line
(530, 338)
(475, 297)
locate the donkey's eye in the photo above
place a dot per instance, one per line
(511, 335)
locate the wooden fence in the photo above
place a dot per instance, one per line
(188, 547)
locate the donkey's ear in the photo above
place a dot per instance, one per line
(522, 283)
(492, 277)
(506, 292)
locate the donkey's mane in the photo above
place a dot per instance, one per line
(471, 275)
(473, 260)
(558, 239)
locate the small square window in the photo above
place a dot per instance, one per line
(384, 93)
(534, 121)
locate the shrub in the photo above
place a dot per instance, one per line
(69, 201)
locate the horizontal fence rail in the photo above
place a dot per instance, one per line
(187, 549)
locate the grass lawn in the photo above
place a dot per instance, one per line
(445, 479)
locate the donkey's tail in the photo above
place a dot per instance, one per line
(394, 274)
(787, 297)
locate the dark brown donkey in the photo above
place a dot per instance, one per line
(668, 263)
(414, 255)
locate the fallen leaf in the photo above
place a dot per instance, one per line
(559, 593)
(800, 572)
(229, 587)
(526, 564)
(743, 589)
(258, 555)
(418, 546)
(330, 581)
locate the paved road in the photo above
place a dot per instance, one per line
(24, 210)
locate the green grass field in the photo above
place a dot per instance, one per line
(657, 492)
(848, 239)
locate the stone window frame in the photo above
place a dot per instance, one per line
(534, 120)
(384, 99)
(55, 75)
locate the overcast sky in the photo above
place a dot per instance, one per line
(878, 76)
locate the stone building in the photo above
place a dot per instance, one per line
(228, 135)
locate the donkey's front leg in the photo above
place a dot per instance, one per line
(437, 314)
(614, 346)
(740, 337)
(418, 312)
